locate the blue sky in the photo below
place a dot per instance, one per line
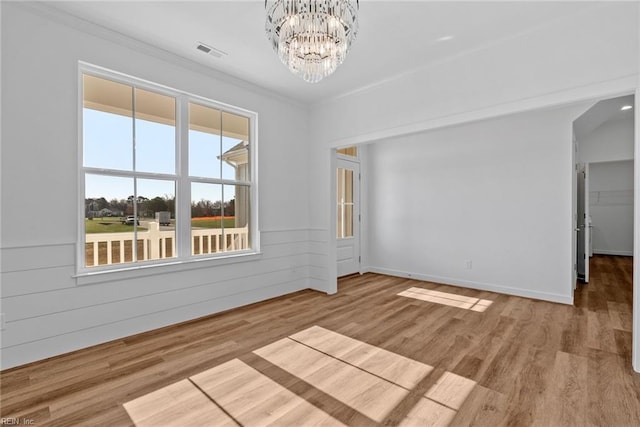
(108, 144)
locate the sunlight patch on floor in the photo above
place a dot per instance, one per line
(451, 390)
(370, 380)
(453, 300)
(440, 404)
(252, 398)
(367, 393)
(176, 404)
(400, 370)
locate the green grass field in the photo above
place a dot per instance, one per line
(213, 223)
(108, 225)
(114, 224)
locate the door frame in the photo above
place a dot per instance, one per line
(635, 343)
(585, 228)
(357, 227)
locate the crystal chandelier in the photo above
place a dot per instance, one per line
(311, 37)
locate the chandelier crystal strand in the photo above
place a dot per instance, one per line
(312, 37)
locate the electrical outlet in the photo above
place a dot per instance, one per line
(468, 264)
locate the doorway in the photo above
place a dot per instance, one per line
(606, 140)
(604, 145)
(348, 215)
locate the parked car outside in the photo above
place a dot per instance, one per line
(129, 220)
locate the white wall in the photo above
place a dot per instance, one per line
(492, 192)
(611, 207)
(611, 141)
(587, 57)
(571, 59)
(46, 311)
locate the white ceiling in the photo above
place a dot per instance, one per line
(395, 37)
(602, 112)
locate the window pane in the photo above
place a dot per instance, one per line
(344, 211)
(348, 220)
(340, 202)
(236, 218)
(107, 116)
(109, 236)
(340, 185)
(348, 151)
(235, 147)
(156, 212)
(206, 218)
(155, 132)
(348, 186)
(204, 141)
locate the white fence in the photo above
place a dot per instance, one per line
(158, 244)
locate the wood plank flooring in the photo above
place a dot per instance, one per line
(365, 356)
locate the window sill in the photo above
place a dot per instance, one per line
(136, 271)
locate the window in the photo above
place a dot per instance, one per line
(165, 176)
(345, 194)
(345, 203)
(348, 151)
(220, 180)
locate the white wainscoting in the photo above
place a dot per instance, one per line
(47, 313)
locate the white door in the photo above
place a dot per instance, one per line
(583, 226)
(348, 216)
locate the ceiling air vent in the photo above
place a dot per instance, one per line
(210, 50)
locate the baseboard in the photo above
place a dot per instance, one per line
(366, 269)
(527, 293)
(610, 252)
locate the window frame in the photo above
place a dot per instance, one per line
(181, 178)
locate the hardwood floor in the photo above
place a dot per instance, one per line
(364, 356)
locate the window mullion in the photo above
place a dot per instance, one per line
(134, 244)
(129, 174)
(183, 197)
